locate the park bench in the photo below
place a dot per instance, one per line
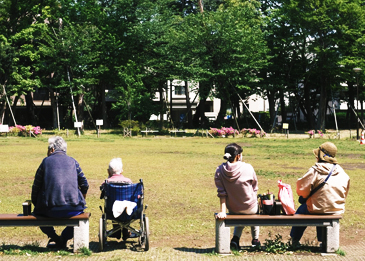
(148, 131)
(80, 224)
(177, 132)
(329, 223)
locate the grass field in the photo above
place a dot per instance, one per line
(178, 176)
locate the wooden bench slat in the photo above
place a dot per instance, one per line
(31, 217)
(282, 217)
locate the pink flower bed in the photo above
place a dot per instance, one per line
(24, 130)
(223, 132)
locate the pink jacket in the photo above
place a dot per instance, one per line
(119, 177)
(330, 199)
(238, 183)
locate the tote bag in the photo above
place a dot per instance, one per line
(286, 198)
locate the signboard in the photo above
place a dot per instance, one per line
(77, 124)
(285, 126)
(4, 128)
(99, 122)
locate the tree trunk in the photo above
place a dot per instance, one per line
(222, 111)
(272, 109)
(14, 107)
(201, 6)
(282, 106)
(237, 111)
(30, 109)
(188, 106)
(2, 111)
(162, 105)
(80, 108)
(321, 124)
(103, 106)
(350, 116)
(308, 107)
(171, 119)
(54, 109)
(199, 117)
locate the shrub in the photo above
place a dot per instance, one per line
(320, 133)
(20, 130)
(223, 132)
(311, 133)
(132, 125)
(253, 132)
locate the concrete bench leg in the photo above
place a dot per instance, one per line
(331, 240)
(222, 237)
(81, 235)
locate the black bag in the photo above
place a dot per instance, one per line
(303, 200)
(267, 204)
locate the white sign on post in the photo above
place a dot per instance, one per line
(99, 122)
(77, 124)
(4, 128)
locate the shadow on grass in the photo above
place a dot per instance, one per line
(303, 250)
(9, 249)
(31, 250)
(196, 250)
(113, 245)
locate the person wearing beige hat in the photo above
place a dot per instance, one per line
(323, 189)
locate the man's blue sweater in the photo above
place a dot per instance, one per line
(59, 185)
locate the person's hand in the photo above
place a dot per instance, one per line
(221, 215)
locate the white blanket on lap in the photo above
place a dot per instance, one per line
(120, 206)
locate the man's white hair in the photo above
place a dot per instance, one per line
(57, 143)
(116, 166)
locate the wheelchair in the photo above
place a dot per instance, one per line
(137, 224)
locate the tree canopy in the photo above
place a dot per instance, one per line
(84, 53)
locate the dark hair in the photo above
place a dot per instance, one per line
(231, 151)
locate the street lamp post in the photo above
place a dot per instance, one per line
(357, 71)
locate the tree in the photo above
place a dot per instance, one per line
(223, 48)
(310, 40)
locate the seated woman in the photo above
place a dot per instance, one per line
(237, 187)
(329, 198)
(115, 171)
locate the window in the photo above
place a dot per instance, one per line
(41, 94)
(208, 106)
(179, 90)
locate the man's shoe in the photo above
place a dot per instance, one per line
(295, 244)
(235, 243)
(51, 244)
(57, 243)
(53, 241)
(256, 243)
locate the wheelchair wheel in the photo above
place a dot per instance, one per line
(102, 234)
(144, 238)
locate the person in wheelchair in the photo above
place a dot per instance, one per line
(115, 171)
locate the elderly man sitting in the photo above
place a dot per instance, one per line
(59, 190)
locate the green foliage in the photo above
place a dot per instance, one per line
(276, 246)
(28, 249)
(132, 125)
(340, 252)
(62, 253)
(85, 251)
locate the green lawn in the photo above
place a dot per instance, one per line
(178, 176)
